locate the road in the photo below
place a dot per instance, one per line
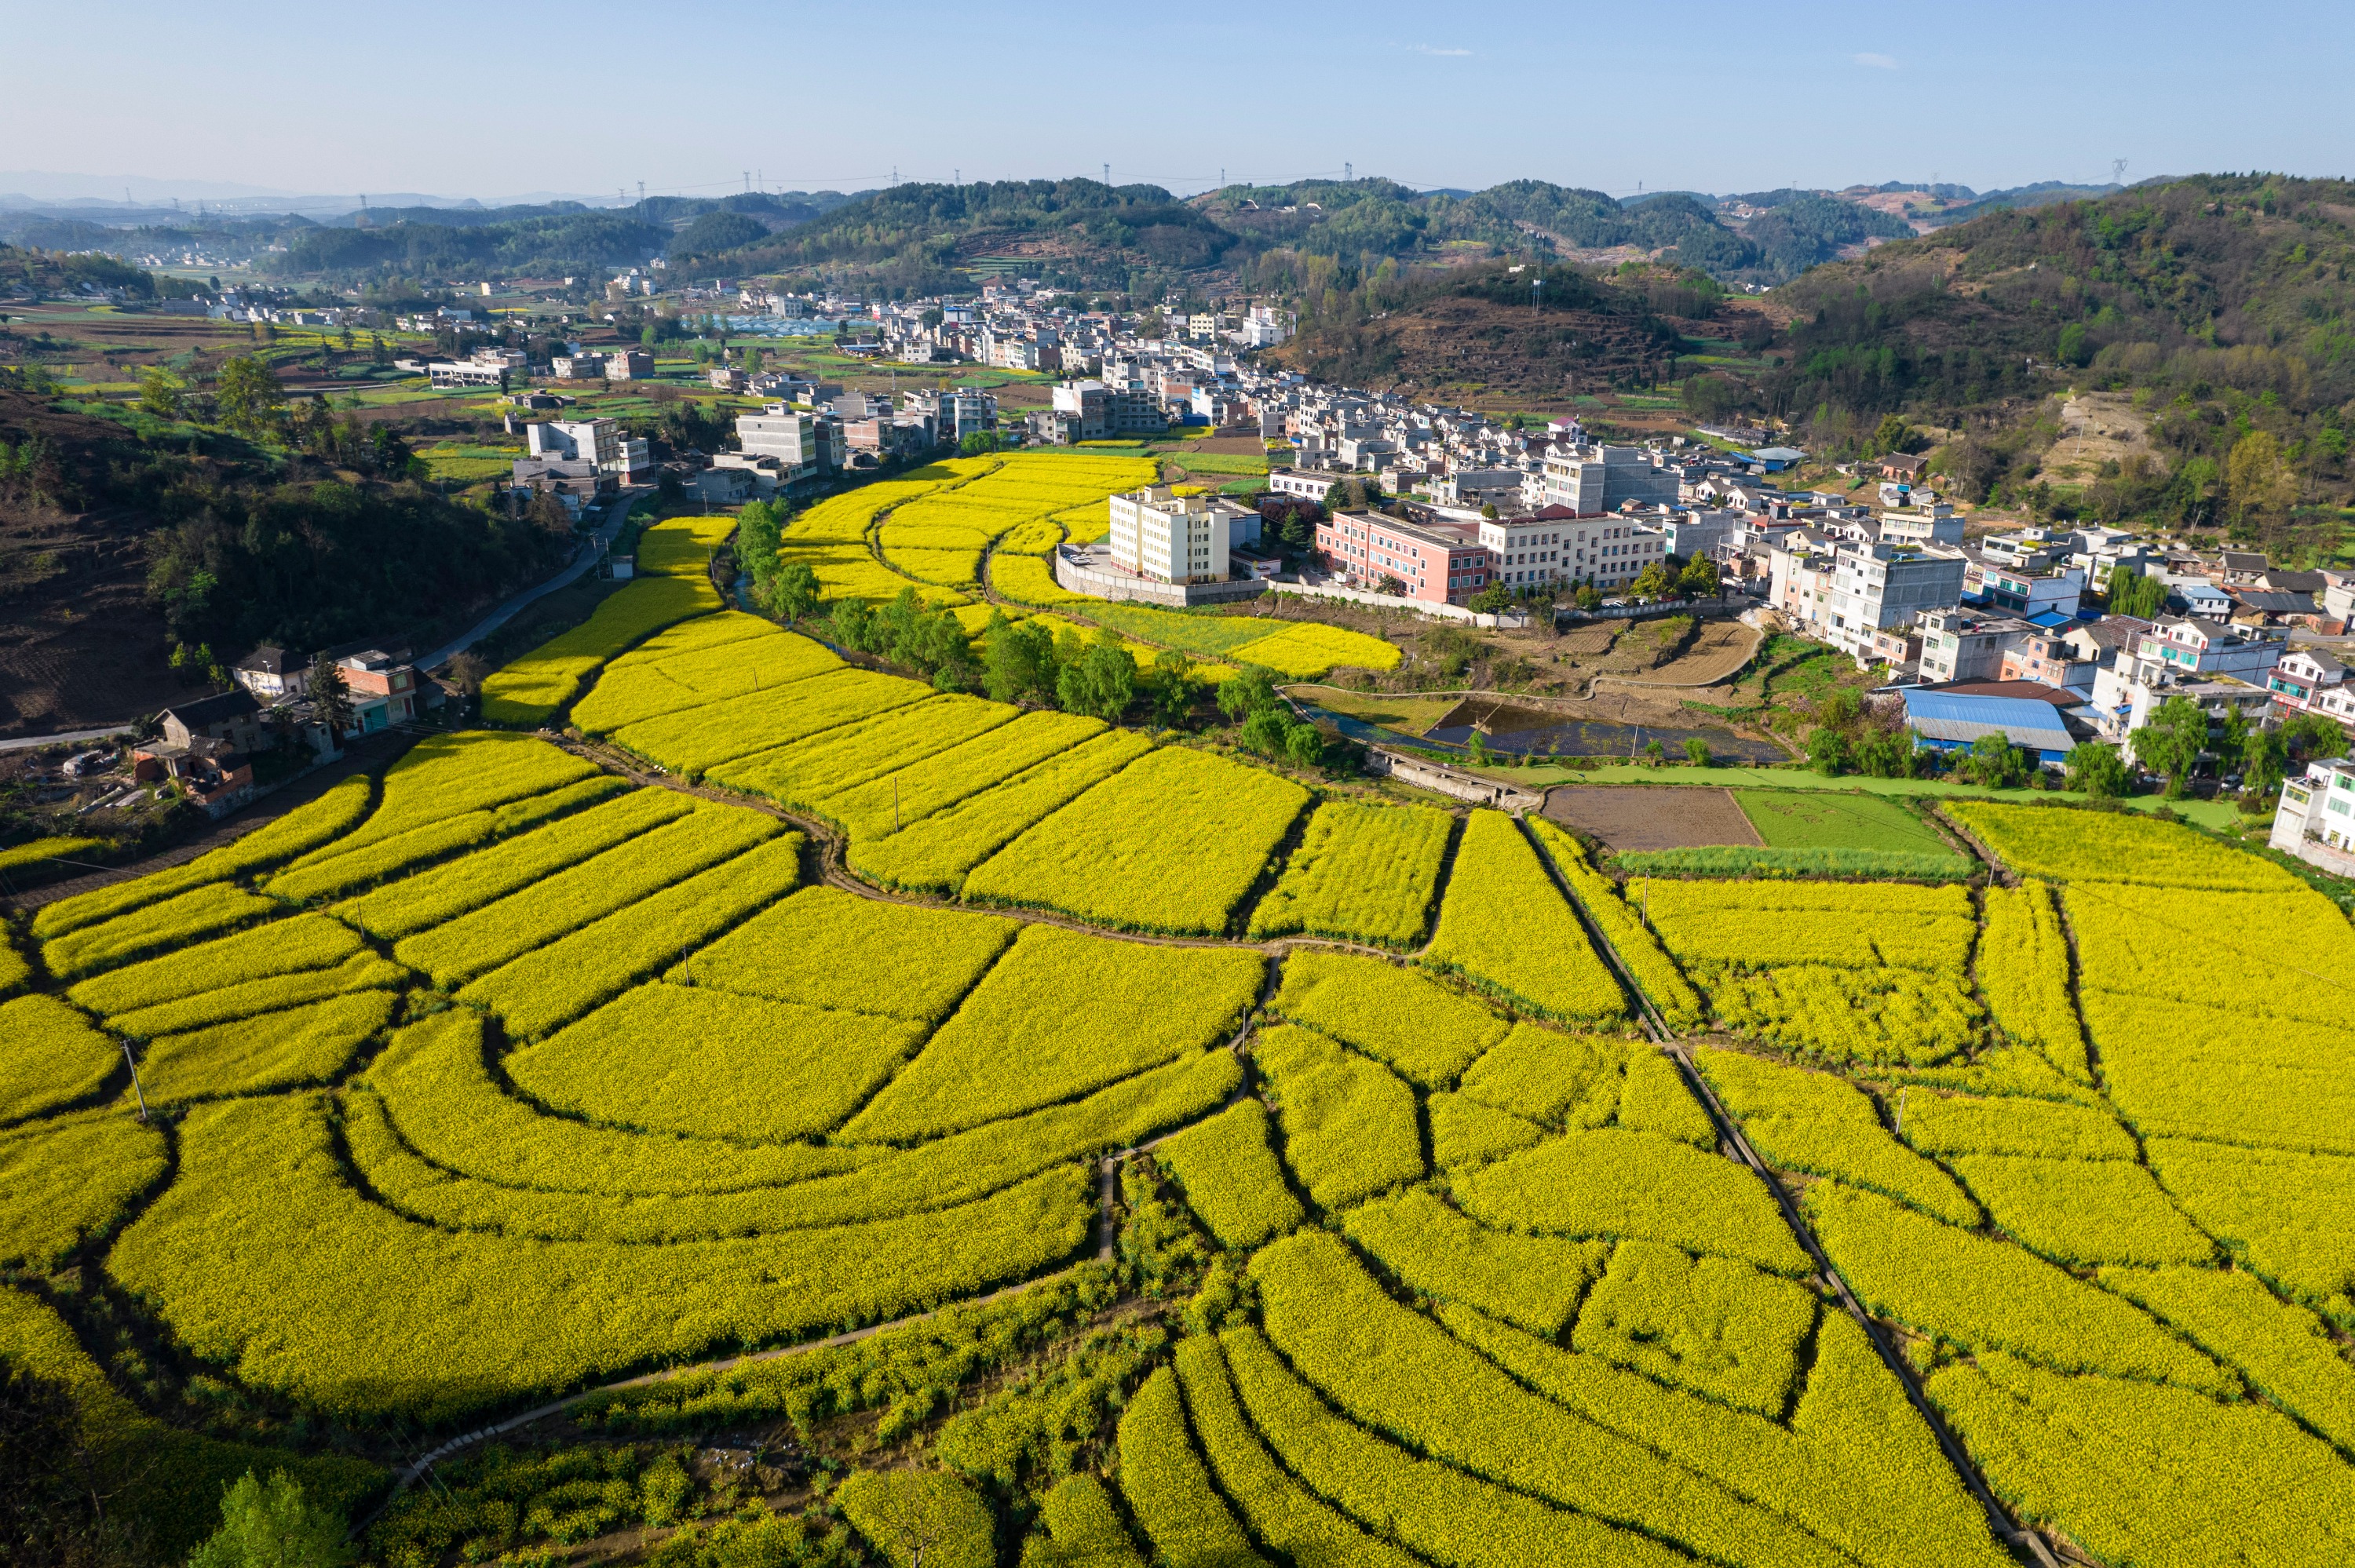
(19, 743)
(616, 511)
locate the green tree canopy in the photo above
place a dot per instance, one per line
(271, 1524)
(2171, 743)
(2099, 771)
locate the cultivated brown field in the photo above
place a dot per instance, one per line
(1670, 817)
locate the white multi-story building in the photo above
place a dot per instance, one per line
(1932, 525)
(597, 441)
(797, 441)
(2315, 821)
(1172, 538)
(1595, 479)
(1612, 553)
(1530, 550)
(1882, 587)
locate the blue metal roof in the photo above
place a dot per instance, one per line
(2051, 620)
(1956, 716)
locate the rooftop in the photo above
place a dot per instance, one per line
(1963, 717)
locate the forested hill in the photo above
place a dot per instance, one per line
(1485, 331)
(1083, 234)
(2224, 304)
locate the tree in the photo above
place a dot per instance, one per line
(1020, 660)
(1587, 597)
(1652, 582)
(1493, 599)
(976, 442)
(1392, 586)
(792, 592)
(2263, 755)
(160, 393)
(1828, 751)
(2098, 771)
(1892, 435)
(2256, 477)
(1304, 746)
(1267, 732)
(1169, 686)
(1101, 681)
(1697, 751)
(849, 622)
(759, 530)
(2171, 743)
(1888, 754)
(1698, 579)
(1995, 762)
(1248, 691)
(2136, 594)
(2313, 736)
(467, 669)
(941, 648)
(1488, 509)
(331, 697)
(271, 1525)
(247, 393)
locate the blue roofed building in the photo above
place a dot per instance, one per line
(1951, 721)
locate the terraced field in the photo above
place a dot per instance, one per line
(1433, 1234)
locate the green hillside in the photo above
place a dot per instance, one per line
(2218, 311)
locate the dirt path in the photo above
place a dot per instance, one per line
(1730, 1135)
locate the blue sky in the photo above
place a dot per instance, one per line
(591, 96)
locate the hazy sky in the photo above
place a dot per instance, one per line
(587, 97)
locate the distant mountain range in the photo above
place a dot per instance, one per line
(1078, 234)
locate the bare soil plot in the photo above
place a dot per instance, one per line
(1587, 641)
(1670, 817)
(1718, 649)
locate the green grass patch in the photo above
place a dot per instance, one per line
(1219, 462)
(1793, 820)
(1740, 860)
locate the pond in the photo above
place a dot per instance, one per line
(1505, 727)
(1512, 730)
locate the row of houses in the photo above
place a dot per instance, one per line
(207, 746)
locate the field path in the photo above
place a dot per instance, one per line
(1729, 1132)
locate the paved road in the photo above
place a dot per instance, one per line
(19, 743)
(615, 511)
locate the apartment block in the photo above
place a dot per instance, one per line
(1440, 563)
(1171, 538)
(1592, 479)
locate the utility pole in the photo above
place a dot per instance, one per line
(136, 1087)
(642, 191)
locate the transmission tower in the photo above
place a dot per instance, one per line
(2117, 171)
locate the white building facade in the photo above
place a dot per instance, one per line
(1168, 537)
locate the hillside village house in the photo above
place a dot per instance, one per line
(383, 693)
(2307, 680)
(204, 748)
(2316, 818)
(271, 674)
